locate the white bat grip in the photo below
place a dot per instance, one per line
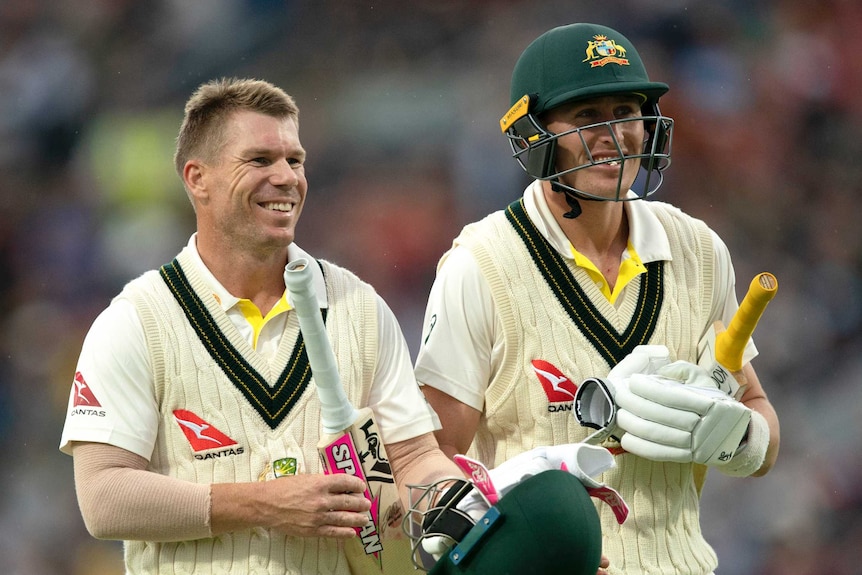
(336, 411)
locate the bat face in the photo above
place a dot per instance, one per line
(341, 456)
(359, 451)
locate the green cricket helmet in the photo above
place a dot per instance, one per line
(578, 62)
(546, 524)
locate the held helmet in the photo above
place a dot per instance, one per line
(578, 62)
(545, 524)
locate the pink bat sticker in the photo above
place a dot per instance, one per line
(340, 457)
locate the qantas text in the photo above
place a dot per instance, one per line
(222, 453)
(88, 411)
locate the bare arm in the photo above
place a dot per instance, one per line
(459, 421)
(121, 499)
(419, 461)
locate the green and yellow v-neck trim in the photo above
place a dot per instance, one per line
(272, 403)
(610, 344)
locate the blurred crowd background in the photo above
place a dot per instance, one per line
(400, 107)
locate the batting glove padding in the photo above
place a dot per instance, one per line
(450, 519)
(643, 359)
(684, 421)
(595, 404)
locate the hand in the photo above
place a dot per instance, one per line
(454, 507)
(645, 359)
(603, 565)
(595, 405)
(472, 503)
(679, 415)
(314, 505)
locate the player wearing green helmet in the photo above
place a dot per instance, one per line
(574, 279)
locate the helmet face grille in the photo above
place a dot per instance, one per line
(434, 514)
(535, 151)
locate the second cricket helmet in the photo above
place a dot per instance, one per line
(578, 62)
(546, 524)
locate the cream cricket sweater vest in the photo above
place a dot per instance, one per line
(269, 411)
(551, 310)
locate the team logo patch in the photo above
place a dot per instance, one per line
(84, 396)
(285, 466)
(201, 435)
(601, 50)
(558, 387)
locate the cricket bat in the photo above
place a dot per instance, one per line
(351, 441)
(724, 349)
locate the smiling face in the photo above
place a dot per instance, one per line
(597, 142)
(250, 196)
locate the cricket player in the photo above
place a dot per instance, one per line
(568, 281)
(193, 419)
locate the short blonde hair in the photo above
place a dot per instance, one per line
(211, 106)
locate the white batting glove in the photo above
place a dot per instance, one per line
(490, 487)
(680, 415)
(643, 359)
(438, 545)
(594, 404)
(580, 459)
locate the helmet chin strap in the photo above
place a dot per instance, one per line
(571, 198)
(575, 205)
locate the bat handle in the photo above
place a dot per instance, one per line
(336, 411)
(730, 344)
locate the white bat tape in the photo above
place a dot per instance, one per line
(336, 413)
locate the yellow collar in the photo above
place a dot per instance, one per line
(631, 266)
(252, 314)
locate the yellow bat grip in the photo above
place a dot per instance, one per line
(730, 344)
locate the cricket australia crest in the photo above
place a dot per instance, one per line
(602, 50)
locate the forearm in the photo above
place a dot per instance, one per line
(238, 506)
(120, 499)
(419, 461)
(764, 433)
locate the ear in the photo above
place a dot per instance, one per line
(194, 178)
